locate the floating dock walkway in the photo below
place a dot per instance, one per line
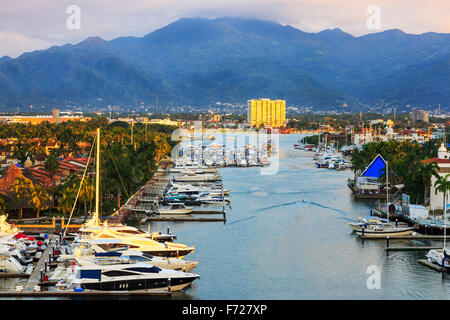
(185, 218)
(34, 286)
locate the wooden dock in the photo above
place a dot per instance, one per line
(35, 277)
(430, 265)
(13, 275)
(185, 218)
(83, 294)
(35, 287)
(412, 237)
(411, 248)
(207, 212)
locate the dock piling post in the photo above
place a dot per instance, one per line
(396, 223)
(363, 231)
(387, 242)
(169, 285)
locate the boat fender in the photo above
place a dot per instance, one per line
(78, 289)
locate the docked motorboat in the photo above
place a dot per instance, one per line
(175, 209)
(14, 260)
(135, 239)
(121, 275)
(208, 199)
(89, 251)
(383, 231)
(367, 221)
(197, 177)
(175, 196)
(192, 169)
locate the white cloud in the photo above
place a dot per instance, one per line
(14, 44)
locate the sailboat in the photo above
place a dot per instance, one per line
(385, 229)
(440, 256)
(134, 238)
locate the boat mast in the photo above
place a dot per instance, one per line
(445, 221)
(97, 179)
(387, 191)
(445, 208)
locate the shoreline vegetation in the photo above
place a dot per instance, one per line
(130, 155)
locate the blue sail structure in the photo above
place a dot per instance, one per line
(376, 168)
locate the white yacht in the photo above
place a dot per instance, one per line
(197, 177)
(175, 209)
(14, 260)
(115, 274)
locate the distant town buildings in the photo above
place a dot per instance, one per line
(419, 115)
(367, 135)
(266, 112)
(145, 120)
(37, 119)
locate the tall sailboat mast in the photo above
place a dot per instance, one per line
(97, 180)
(445, 222)
(387, 192)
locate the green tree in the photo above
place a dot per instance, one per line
(39, 199)
(3, 204)
(424, 172)
(52, 166)
(442, 185)
(66, 200)
(22, 188)
(86, 194)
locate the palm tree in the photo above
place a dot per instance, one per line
(442, 184)
(66, 200)
(86, 194)
(39, 199)
(424, 171)
(22, 188)
(3, 204)
(52, 166)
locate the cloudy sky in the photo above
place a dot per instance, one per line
(32, 25)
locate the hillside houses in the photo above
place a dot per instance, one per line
(367, 135)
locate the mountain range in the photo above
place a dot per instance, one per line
(196, 61)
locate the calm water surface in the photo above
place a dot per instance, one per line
(275, 246)
(286, 237)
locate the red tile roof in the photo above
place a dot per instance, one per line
(8, 178)
(437, 160)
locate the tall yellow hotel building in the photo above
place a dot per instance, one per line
(266, 112)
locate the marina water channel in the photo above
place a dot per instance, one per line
(286, 237)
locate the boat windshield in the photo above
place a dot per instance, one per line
(138, 258)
